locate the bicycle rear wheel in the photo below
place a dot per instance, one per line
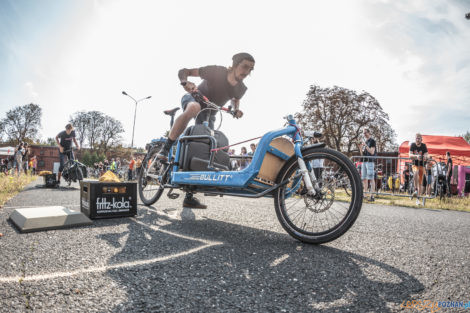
(151, 178)
(332, 211)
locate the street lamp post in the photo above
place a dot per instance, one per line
(135, 112)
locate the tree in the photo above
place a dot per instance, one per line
(2, 130)
(81, 123)
(466, 136)
(341, 115)
(111, 131)
(22, 123)
(90, 158)
(94, 130)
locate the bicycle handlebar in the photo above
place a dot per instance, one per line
(199, 97)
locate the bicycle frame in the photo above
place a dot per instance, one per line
(240, 181)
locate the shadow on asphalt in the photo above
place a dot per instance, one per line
(253, 270)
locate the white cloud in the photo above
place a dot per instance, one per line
(31, 91)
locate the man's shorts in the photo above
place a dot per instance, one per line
(367, 171)
(419, 170)
(202, 116)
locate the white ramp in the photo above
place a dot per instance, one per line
(46, 218)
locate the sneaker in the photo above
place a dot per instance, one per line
(417, 202)
(193, 203)
(163, 153)
(372, 199)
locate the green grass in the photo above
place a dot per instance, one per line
(11, 185)
(454, 203)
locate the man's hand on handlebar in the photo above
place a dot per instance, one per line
(189, 86)
(238, 113)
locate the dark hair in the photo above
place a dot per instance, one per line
(448, 153)
(69, 126)
(239, 57)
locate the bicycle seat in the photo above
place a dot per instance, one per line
(171, 112)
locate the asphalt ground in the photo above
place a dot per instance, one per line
(232, 257)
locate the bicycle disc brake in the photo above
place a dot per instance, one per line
(320, 202)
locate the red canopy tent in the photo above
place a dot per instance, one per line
(438, 146)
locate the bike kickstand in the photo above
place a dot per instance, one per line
(172, 195)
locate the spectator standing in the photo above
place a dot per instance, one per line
(131, 168)
(26, 158)
(34, 165)
(113, 166)
(367, 149)
(406, 177)
(429, 179)
(233, 162)
(105, 165)
(118, 163)
(18, 163)
(138, 165)
(243, 163)
(449, 166)
(419, 154)
(317, 164)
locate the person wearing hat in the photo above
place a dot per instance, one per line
(64, 141)
(219, 84)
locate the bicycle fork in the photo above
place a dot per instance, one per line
(309, 178)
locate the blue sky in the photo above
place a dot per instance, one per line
(67, 56)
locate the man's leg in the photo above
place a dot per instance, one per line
(61, 167)
(181, 122)
(448, 179)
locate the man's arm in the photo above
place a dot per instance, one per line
(370, 150)
(185, 72)
(236, 107)
(183, 77)
(76, 143)
(61, 149)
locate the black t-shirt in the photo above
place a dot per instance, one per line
(406, 174)
(421, 150)
(450, 163)
(66, 140)
(371, 144)
(216, 87)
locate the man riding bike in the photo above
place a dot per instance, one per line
(65, 146)
(219, 85)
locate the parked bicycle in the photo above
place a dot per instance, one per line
(311, 209)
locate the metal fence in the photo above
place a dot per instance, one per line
(395, 176)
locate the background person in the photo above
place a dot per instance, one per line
(367, 149)
(450, 167)
(131, 168)
(419, 154)
(429, 179)
(18, 163)
(243, 162)
(64, 141)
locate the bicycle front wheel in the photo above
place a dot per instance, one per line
(152, 177)
(332, 211)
